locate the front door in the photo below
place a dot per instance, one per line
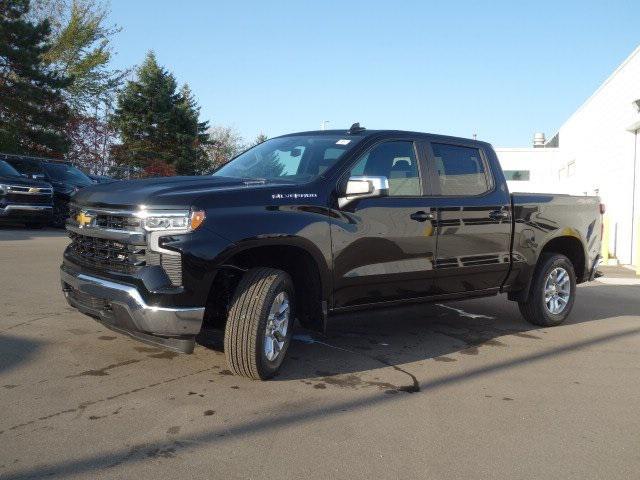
(474, 222)
(383, 248)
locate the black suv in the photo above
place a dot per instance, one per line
(63, 177)
(23, 200)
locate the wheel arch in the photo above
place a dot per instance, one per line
(303, 261)
(571, 247)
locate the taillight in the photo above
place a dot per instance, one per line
(603, 209)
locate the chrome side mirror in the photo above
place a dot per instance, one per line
(363, 187)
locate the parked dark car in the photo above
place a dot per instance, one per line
(311, 224)
(63, 177)
(23, 200)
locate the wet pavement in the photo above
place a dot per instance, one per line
(457, 390)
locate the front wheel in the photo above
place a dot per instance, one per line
(553, 291)
(260, 323)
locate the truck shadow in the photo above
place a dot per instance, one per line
(404, 338)
(15, 351)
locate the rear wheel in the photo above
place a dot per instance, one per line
(260, 323)
(553, 290)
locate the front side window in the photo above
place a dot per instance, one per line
(297, 158)
(460, 170)
(395, 160)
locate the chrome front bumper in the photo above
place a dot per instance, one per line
(122, 308)
(16, 209)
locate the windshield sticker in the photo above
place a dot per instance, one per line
(343, 141)
(278, 196)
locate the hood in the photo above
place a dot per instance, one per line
(23, 182)
(166, 192)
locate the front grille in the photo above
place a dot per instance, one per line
(107, 254)
(102, 254)
(108, 220)
(30, 199)
(117, 222)
(30, 190)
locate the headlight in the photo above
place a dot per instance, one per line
(3, 189)
(171, 221)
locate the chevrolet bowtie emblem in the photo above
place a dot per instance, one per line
(34, 190)
(83, 219)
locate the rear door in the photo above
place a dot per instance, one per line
(383, 248)
(474, 219)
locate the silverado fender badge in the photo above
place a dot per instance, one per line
(293, 195)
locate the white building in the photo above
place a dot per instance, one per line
(595, 152)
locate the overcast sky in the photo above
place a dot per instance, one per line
(503, 71)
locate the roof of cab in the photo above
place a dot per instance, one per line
(365, 133)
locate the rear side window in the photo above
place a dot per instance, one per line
(460, 170)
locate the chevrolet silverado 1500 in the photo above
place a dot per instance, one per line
(309, 224)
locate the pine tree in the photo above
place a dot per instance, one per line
(80, 46)
(33, 113)
(158, 125)
(192, 135)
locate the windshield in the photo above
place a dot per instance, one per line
(298, 158)
(7, 170)
(63, 172)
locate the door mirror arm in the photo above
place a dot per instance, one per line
(363, 186)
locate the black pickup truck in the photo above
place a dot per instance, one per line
(310, 224)
(23, 200)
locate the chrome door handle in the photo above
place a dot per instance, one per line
(422, 216)
(499, 215)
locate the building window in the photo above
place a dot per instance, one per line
(517, 175)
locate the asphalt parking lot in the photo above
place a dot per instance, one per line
(465, 390)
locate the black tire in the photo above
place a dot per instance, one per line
(534, 309)
(245, 331)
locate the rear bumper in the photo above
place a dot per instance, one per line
(121, 308)
(15, 211)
